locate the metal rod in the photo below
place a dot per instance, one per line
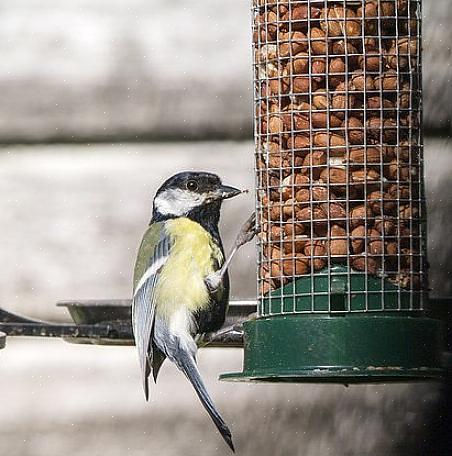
(107, 322)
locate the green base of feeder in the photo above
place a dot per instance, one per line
(341, 349)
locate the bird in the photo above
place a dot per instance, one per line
(181, 282)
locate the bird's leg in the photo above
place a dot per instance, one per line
(246, 234)
(205, 339)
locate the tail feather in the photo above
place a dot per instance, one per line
(188, 366)
(157, 361)
(146, 380)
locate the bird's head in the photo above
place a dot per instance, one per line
(191, 192)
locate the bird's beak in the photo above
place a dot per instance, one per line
(226, 192)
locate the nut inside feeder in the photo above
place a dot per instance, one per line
(340, 196)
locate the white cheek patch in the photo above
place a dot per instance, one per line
(177, 202)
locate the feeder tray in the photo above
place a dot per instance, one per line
(92, 312)
(101, 311)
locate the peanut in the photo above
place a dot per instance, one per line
(318, 41)
(316, 251)
(359, 215)
(358, 236)
(337, 21)
(294, 265)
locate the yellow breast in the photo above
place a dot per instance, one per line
(192, 258)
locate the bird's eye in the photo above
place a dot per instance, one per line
(192, 185)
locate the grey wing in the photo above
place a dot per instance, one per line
(143, 307)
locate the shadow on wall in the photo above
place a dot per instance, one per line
(440, 243)
(438, 181)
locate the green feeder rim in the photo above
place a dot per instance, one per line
(341, 349)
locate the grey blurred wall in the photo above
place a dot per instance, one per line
(81, 69)
(109, 68)
(72, 217)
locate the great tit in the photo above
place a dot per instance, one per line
(181, 284)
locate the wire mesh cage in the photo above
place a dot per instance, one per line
(339, 156)
(340, 196)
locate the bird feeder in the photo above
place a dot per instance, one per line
(342, 271)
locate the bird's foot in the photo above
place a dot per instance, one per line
(247, 232)
(252, 316)
(213, 281)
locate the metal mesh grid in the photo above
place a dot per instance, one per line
(339, 170)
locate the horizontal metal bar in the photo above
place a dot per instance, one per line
(98, 331)
(107, 322)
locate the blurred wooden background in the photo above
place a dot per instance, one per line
(109, 69)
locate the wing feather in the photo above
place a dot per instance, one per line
(143, 305)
